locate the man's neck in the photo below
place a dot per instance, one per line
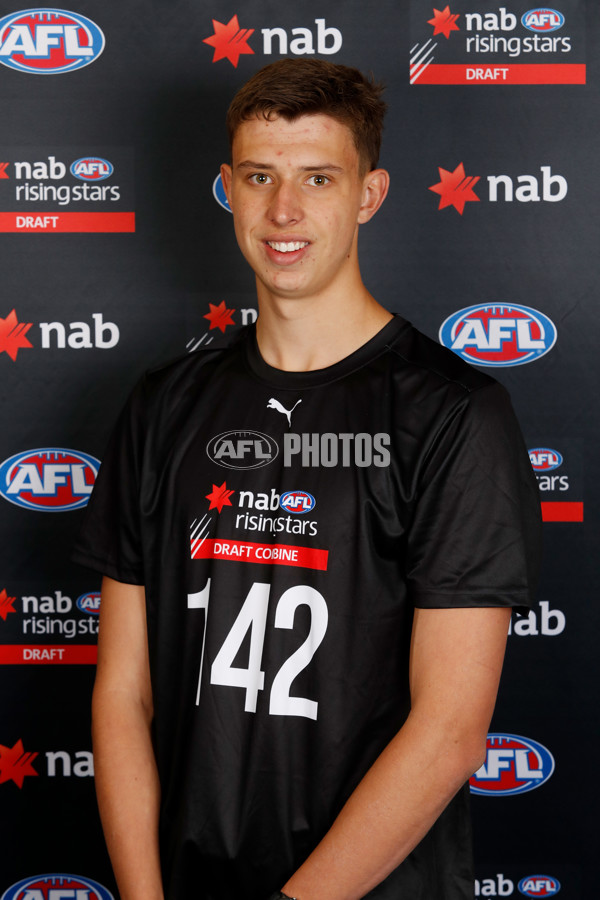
(300, 335)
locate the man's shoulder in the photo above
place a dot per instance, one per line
(433, 363)
(190, 366)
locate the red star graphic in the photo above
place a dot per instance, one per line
(219, 497)
(230, 41)
(6, 604)
(455, 188)
(12, 335)
(443, 22)
(15, 764)
(3, 168)
(219, 316)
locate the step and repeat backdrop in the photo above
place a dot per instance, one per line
(117, 253)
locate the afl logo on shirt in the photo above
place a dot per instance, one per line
(56, 887)
(297, 501)
(513, 765)
(242, 449)
(499, 334)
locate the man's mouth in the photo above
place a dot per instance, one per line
(287, 246)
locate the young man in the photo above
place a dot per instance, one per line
(312, 541)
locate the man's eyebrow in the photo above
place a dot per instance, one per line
(265, 167)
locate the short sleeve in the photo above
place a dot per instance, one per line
(475, 537)
(110, 539)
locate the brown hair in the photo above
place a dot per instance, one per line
(298, 87)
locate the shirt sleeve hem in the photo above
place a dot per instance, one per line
(519, 601)
(119, 573)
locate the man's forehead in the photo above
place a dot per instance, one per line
(281, 136)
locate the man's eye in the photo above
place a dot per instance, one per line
(318, 180)
(261, 178)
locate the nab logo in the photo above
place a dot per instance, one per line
(544, 20)
(91, 168)
(89, 603)
(48, 480)
(499, 335)
(513, 765)
(57, 887)
(544, 460)
(539, 886)
(48, 41)
(242, 449)
(297, 502)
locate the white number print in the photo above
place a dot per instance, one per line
(252, 618)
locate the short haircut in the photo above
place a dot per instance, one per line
(291, 88)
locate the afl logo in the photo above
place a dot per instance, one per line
(499, 335)
(539, 886)
(513, 765)
(219, 193)
(89, 603)
(48, 480)
(297, 501)
(91, 168)
(544, 460)
(242, 449)
(56, 887)
(543, 19)
(47, 41)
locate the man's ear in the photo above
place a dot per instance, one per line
(375, 188)
(226, 176)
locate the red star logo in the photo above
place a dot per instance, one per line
(230, 41)
(6, 604)
(443, 22)
(219, 316)
(455, 188)
(219, 497)
(15, 764)
(12, 335)
(3, 168)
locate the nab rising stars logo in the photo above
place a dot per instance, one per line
(498, 335)
(57, 887)
(513, 765)
(48, 41)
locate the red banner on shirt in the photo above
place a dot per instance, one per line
(269, 554)
(562, 511)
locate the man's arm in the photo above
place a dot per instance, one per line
(126, 776)
(456, 659)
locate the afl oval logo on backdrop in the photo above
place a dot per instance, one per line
(543, 19)
(56, 887)
(91, 168)
(49, 479)
(46, 41)
(513, 765)
(219, 193)
(89, 603)
(539, 886)
(499, 334)
(242, 449)
(544, 460)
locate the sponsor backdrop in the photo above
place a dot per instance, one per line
(118, 253)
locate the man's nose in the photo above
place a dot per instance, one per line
(286, 204)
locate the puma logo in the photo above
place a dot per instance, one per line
(275, 404)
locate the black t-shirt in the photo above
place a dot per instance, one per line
(285, 525)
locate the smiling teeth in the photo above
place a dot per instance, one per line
(288, 247)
